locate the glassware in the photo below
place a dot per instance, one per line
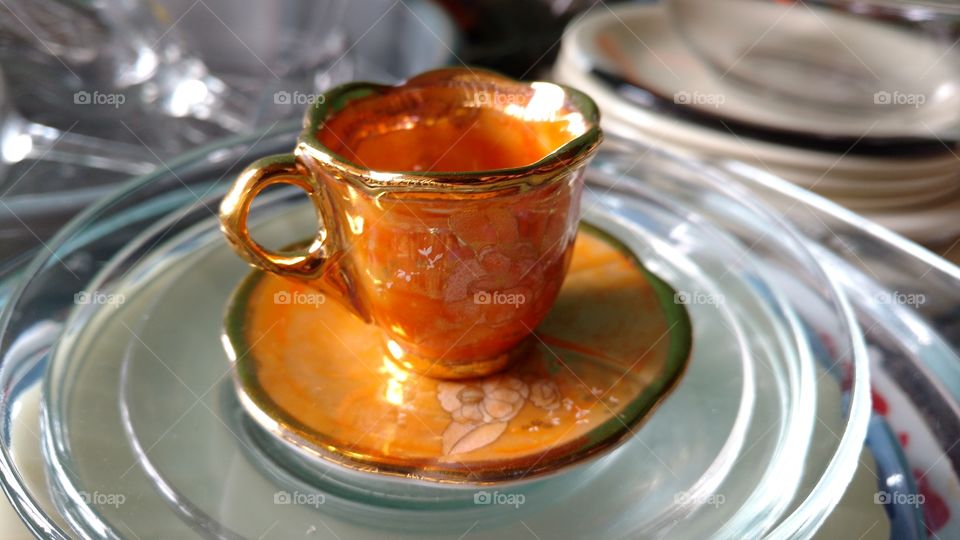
(121, 51)
(283, 53)
(41, 196)
(21, 139)
(738, 425)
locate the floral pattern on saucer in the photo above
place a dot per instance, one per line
(480, 411)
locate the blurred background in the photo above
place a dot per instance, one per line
(93, 93)
(856, 100)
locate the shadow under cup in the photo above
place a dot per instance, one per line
(461, 254)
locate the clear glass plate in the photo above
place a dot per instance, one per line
(142, 433)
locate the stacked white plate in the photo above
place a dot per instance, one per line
(898, 169)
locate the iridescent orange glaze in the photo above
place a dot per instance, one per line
(450, 205)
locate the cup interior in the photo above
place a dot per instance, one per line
(454, 121)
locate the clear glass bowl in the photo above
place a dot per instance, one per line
(142, 434)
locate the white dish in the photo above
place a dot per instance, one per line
(620, 114)
(867, 184)
(831, 66)
(649, 49)
(637, 44)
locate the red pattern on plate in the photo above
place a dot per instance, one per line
(879, 404)
(936, 513)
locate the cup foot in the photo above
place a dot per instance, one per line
(472, 369)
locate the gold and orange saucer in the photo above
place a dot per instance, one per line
(319, 380)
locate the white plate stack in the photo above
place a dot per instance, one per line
(899, 167)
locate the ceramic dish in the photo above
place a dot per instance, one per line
(908, 360)
(632, 109)
(157, 245)
(934, 223)
(916, 185)
(929, 229)
(609, 352)
(633, 112)
(625, 115)
(661, 66)
(872, 62)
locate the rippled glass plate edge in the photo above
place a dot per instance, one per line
(145, 264)
(849, 235)
(23, 502)
(871, 260)
(216, 154)
(72, 487)
(807, 517)
(915, 375)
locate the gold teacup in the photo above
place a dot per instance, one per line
(447, 209)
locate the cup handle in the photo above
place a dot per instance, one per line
(278, 169)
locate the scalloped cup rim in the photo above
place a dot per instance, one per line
(568, 155)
